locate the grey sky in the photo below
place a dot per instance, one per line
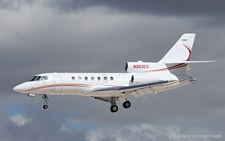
(100, 36)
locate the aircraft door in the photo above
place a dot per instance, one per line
(105, 78)
(58, 85)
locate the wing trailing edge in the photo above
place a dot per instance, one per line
(129, 88)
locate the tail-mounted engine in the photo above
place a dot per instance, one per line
(137, 79)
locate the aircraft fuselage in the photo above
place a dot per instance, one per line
(88, 84)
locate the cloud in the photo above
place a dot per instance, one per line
(209, 9)
(150, 132)
(19, 120)
(208, 13)
(64, 128)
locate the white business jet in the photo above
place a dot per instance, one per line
(141, 78)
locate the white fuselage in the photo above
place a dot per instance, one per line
(86, 83)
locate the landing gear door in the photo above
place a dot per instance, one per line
(58, 85)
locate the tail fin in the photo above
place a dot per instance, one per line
(176, 60)
(181, 51)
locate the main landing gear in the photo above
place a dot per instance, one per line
(114, 107)
(45, 99)
(126, 104)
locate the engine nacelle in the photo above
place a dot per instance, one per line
(137, 79)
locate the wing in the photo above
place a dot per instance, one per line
(132, 88)
(140, 90)
(135, 90)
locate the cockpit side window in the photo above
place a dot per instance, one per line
(44, 78)
(33, 78)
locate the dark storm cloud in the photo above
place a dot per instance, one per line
(154, 7)
(208, 12)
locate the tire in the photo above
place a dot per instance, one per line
(45, 107)
(113, 108)
(126, 104)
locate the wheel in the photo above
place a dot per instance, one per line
(45, 107)
(113, 108)
(126, 104)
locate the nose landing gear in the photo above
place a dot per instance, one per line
(45, 106)
(45, 99)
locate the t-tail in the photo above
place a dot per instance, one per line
(178, 57)
(176, 60)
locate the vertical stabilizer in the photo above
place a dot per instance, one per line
(181, 51)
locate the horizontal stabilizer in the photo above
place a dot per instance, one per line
(190, 62)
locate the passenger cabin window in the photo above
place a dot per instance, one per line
(79, 78)
(73, 78)
(111, 78)
(92, 78)
(99, 78)
(86, 78)
(105, 78)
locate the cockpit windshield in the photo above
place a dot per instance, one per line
(33, 78)
(38, 78)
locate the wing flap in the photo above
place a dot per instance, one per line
(135, 87)
(129, 88)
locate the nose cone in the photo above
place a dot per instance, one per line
(20, 88)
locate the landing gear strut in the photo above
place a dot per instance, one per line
(113, 107)
(112, 100)
(45, 99)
